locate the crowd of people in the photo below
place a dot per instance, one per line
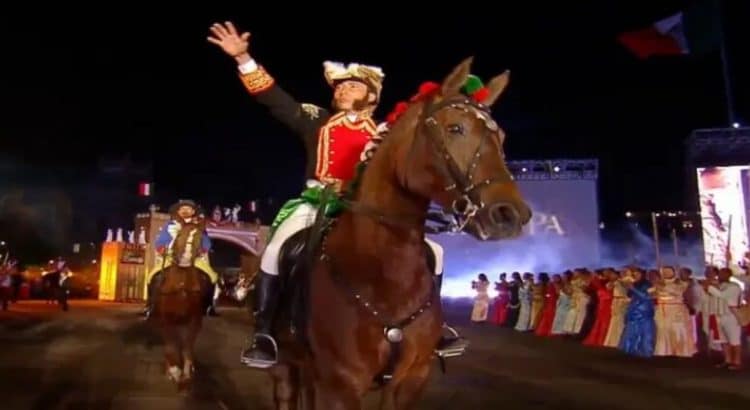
(52, 286)
(643, 313)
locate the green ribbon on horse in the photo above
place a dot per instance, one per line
(314, 196)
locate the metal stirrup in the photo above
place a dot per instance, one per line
(268, 337)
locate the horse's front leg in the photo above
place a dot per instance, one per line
(172, 352)
(409, 390)
(188, 348)
(286, 386)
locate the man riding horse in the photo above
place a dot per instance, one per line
(180, 213)
(335, 141)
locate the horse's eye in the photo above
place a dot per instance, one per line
(456, 129)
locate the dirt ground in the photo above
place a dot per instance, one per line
(103, 356)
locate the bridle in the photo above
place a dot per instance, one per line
(467, 202)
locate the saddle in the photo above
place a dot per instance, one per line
(296, 259)
(295, 262)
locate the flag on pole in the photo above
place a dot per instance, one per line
(145, 189)
(695, 30)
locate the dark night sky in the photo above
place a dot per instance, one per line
(147, 83)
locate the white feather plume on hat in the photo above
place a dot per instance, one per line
(371, 75)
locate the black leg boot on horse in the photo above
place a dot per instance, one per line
(151, 292)
(453, 344)
(263, 353)
(209, 305)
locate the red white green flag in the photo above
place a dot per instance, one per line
(695, 30)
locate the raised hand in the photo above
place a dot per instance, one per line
(233, 43)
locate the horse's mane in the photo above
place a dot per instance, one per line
(395, 133)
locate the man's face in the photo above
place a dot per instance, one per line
(351, 95)
(186, 212)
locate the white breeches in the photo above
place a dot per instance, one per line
(303, 217)
(437, 249)
(730, 329)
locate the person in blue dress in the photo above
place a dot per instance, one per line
(639, 335)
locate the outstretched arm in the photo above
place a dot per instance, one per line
(301, 118)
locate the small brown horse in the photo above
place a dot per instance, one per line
(370, 288)
(179, 308)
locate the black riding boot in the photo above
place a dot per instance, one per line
(263, 353)
(453, 344)
(153, 286)
(208, 301)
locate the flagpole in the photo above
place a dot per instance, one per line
(655, 228)
(729, 100)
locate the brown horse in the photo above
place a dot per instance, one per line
(372, 306)
(179, 308)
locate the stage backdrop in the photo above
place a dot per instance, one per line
(562, 234)
(724, 201)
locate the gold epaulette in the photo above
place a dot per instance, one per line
(257, 81)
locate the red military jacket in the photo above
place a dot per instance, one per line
(340, 144)
(333, 141)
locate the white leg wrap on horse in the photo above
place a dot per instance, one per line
(437, 249)
(174, 373)
(303, 217)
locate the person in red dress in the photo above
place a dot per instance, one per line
(500, 307)
(604, 296)
(551, 292)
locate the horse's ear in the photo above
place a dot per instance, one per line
(457, 78)
(496, 87)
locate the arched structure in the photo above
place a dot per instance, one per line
(245, 236)
(124, 265)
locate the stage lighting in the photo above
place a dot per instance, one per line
(736, 125)
(524, 169)
(556, 168)
(628, 214)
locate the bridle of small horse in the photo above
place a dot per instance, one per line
(175, 261)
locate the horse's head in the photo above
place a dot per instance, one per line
(456, 158)
(187, 244)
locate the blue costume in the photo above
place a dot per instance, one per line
(164, 257)
(639, 336)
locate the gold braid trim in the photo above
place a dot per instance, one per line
(257, 81)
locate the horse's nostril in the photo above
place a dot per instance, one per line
(502, 214)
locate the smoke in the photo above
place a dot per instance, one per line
(564, 233)
(535, 252)
(641, 247)
(544, 246)
(466, 257)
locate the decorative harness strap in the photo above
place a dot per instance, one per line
(393, 329)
